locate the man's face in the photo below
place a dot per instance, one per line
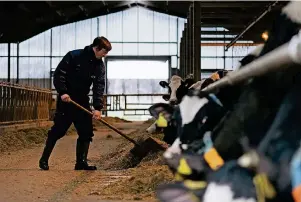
(100, 53)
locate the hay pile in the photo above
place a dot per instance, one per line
(110, 120)
(146, 174)
(122, 158)
(141, 185)
(13, 140)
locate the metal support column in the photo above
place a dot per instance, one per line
(196, 40)
(18, 68)
(186, 70)
(190, 39)
(50, 80)
(181, 57)
(8, 63)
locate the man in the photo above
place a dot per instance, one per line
(72, 79)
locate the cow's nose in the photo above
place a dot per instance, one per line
(173, 102)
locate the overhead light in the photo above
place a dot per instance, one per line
(265, 35)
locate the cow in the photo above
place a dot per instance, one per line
(259, 100)
(228, 95)
(279, 150)
(231, 183)
(177, 88)
(194, 116)
(253, 116)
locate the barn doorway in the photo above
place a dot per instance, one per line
(135, 75)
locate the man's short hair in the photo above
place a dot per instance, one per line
(102, 42)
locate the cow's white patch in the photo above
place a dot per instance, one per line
(197, 85)
(218, 193)
(256, 52)
(190, 106)
(293, 11)
(175, 83)
(174, 149)
(152, 128)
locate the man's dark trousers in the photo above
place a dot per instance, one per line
(66, 114)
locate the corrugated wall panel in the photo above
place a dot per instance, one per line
(114, 27)
(3, 68)
(130, 24)
(83, 34)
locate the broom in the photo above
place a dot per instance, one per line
(139, 150)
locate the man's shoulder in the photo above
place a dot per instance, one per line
(76, 53)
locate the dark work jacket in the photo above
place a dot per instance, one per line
(75, 74)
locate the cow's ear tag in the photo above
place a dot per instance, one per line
(211, 156)
(161, 121)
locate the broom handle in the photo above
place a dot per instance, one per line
(107, 124)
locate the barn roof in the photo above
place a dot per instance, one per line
(21, 20)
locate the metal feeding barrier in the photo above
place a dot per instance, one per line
(278, 59)
(23, 104)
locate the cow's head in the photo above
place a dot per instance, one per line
(194, 116)
(177, 88)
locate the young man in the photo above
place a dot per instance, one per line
(72, 79)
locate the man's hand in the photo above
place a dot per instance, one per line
(96, 115)
(66, 98)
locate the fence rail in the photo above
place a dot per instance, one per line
(20, 104)
(23, 103)
(130, 104)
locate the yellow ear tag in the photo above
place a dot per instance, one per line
(161, 121)
(184, 168)
(213, 158)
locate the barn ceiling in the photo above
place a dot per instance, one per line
(20, 20)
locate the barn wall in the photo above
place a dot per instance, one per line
(135, 31)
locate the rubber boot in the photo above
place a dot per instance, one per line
(43, 163)
(82, 149)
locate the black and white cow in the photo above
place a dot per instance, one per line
(259, 101)
(192, 118)
(230, 183)
(177, 88)
(254, 115)
(280, 147)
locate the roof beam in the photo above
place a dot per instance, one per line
(270, 7)
(245, 4)
(57, 11)
(225, 15)
(219, 32)
(84, 10)
(23, 7)
(221, 24)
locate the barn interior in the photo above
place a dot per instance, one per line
(151, 41)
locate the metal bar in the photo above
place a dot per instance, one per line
(186, 50)
(224, 44)
(190, 40)
(196, 39)
(251, 25)
(18, 72)
(97, 20)
(50, 82)
(8, 63)
(144, 42)
(177, 42)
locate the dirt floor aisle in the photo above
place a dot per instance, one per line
(21, 179)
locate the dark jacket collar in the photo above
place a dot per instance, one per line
(88, 50)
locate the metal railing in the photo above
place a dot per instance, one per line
(23, 103)
(130, 104)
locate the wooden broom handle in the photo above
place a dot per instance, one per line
(107, 124)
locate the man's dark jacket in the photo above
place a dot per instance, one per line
(76, 72)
